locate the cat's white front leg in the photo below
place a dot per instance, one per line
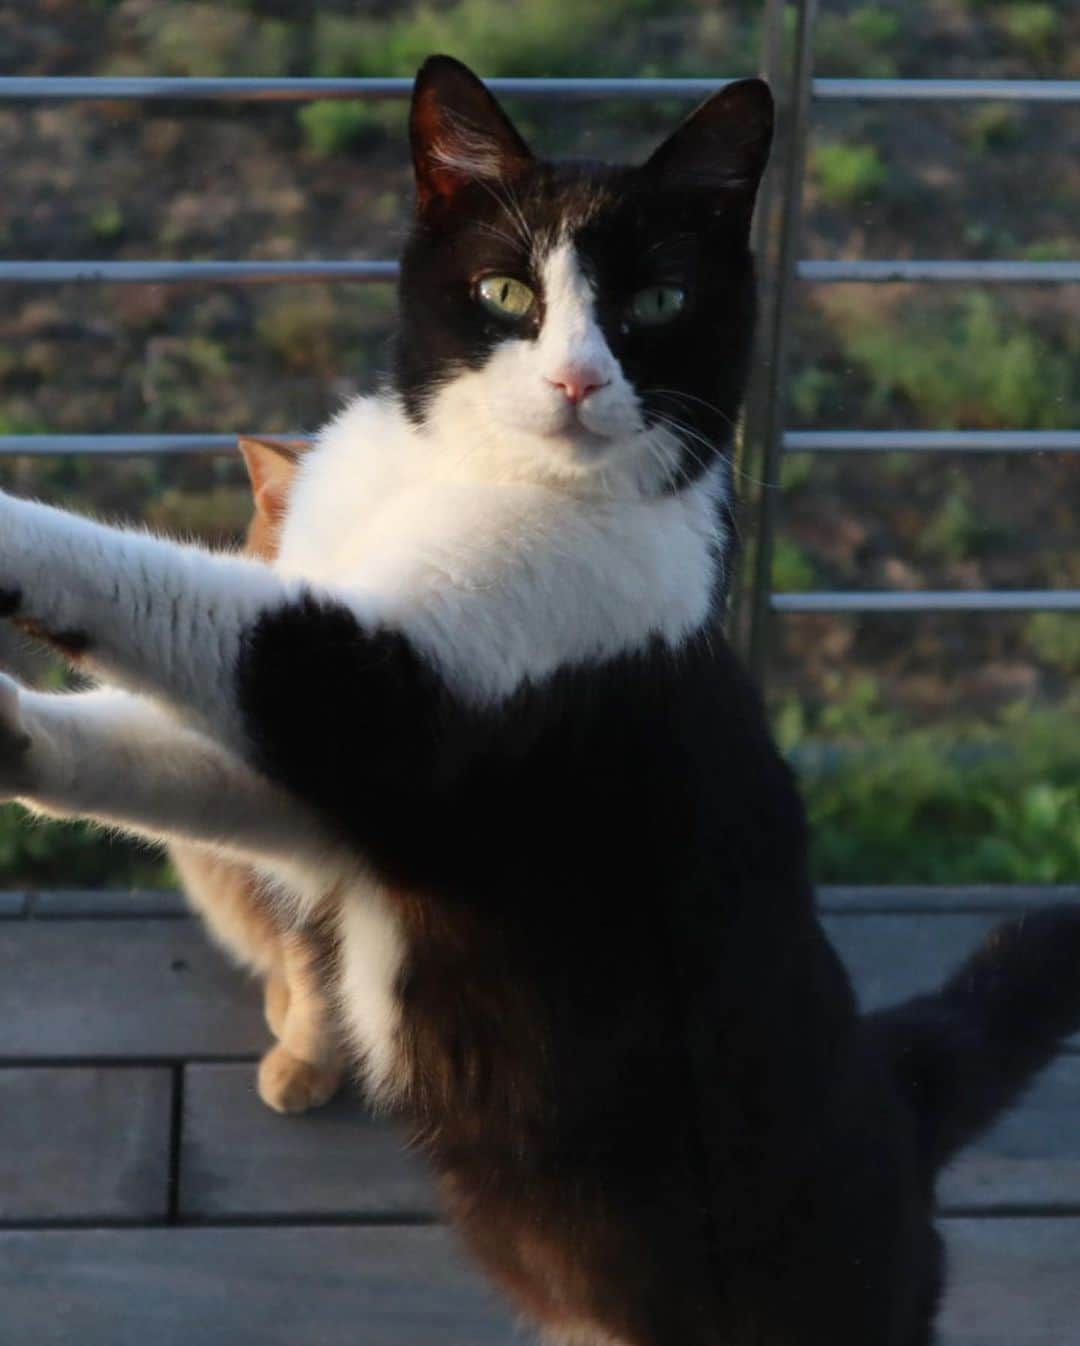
(151, 614)
(117, 759)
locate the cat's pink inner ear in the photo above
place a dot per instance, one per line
(459, 133)
(724, 144)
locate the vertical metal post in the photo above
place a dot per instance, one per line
(748, 452)
(770, 403)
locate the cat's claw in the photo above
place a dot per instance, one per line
(15, 742)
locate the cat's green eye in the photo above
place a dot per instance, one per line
(505, 296)
(657, 304)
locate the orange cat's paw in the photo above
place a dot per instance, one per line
(16, 776)
(288, 1084)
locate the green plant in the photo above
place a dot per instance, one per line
(947, 804)
(41, 854)
(1055, 638)
(811, 391)
(492, 36)
(847, 174)
(203, 39)
(993, 126)
(955, 531)
(861, 43)
(107, 221)
(1050, 250)
(796, 469)
(965, 366)
(334, 125)
(792, 569)
(1033, 27)
(874, 25)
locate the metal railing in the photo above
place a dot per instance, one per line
(261, 273)
(774, 439)
(101, 88)
(767, 436)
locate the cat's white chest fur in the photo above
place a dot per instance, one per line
(496, 578)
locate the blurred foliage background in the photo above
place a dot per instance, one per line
(932, 748)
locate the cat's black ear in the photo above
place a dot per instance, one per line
(723, 145)
(458, 132)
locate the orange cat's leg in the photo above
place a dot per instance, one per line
(276, 1001)
(305, 1069)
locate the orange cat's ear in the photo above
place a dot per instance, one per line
(271, 466)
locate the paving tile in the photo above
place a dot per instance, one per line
(891, 957)
(87, 902)
(244, 1287)
(146, 987)
(84, 1144)
(12, 904)
(114, 989)
(1031, 1160)
(1014, 1282)
(241, 1159)
(238, 1158)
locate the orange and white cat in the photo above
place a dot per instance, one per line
(304, 1067)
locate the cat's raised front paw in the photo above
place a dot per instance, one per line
(16, 775)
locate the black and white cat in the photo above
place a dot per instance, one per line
(484, 700)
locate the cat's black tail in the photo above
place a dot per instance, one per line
(963, 1054)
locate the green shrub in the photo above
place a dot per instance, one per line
(993, 126)
(558, 37)
(792, 569)
(948, 804)
(860, 44)
(1055, 638)
(209, 40)
(333, 125)
(848, 174)
(1034, 27)
(965, 367)
(812, 390)
(107, 221)
(37, 854)
(1050, 250)
(955, 530)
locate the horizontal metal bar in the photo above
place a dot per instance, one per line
(994, 273)
(951, 600)
(255, 273)
(173, 273)
(932, 441)
(111, 445)
(952, 90)
(62, 88)
(795, 441)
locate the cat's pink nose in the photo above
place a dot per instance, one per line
(577, 381)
